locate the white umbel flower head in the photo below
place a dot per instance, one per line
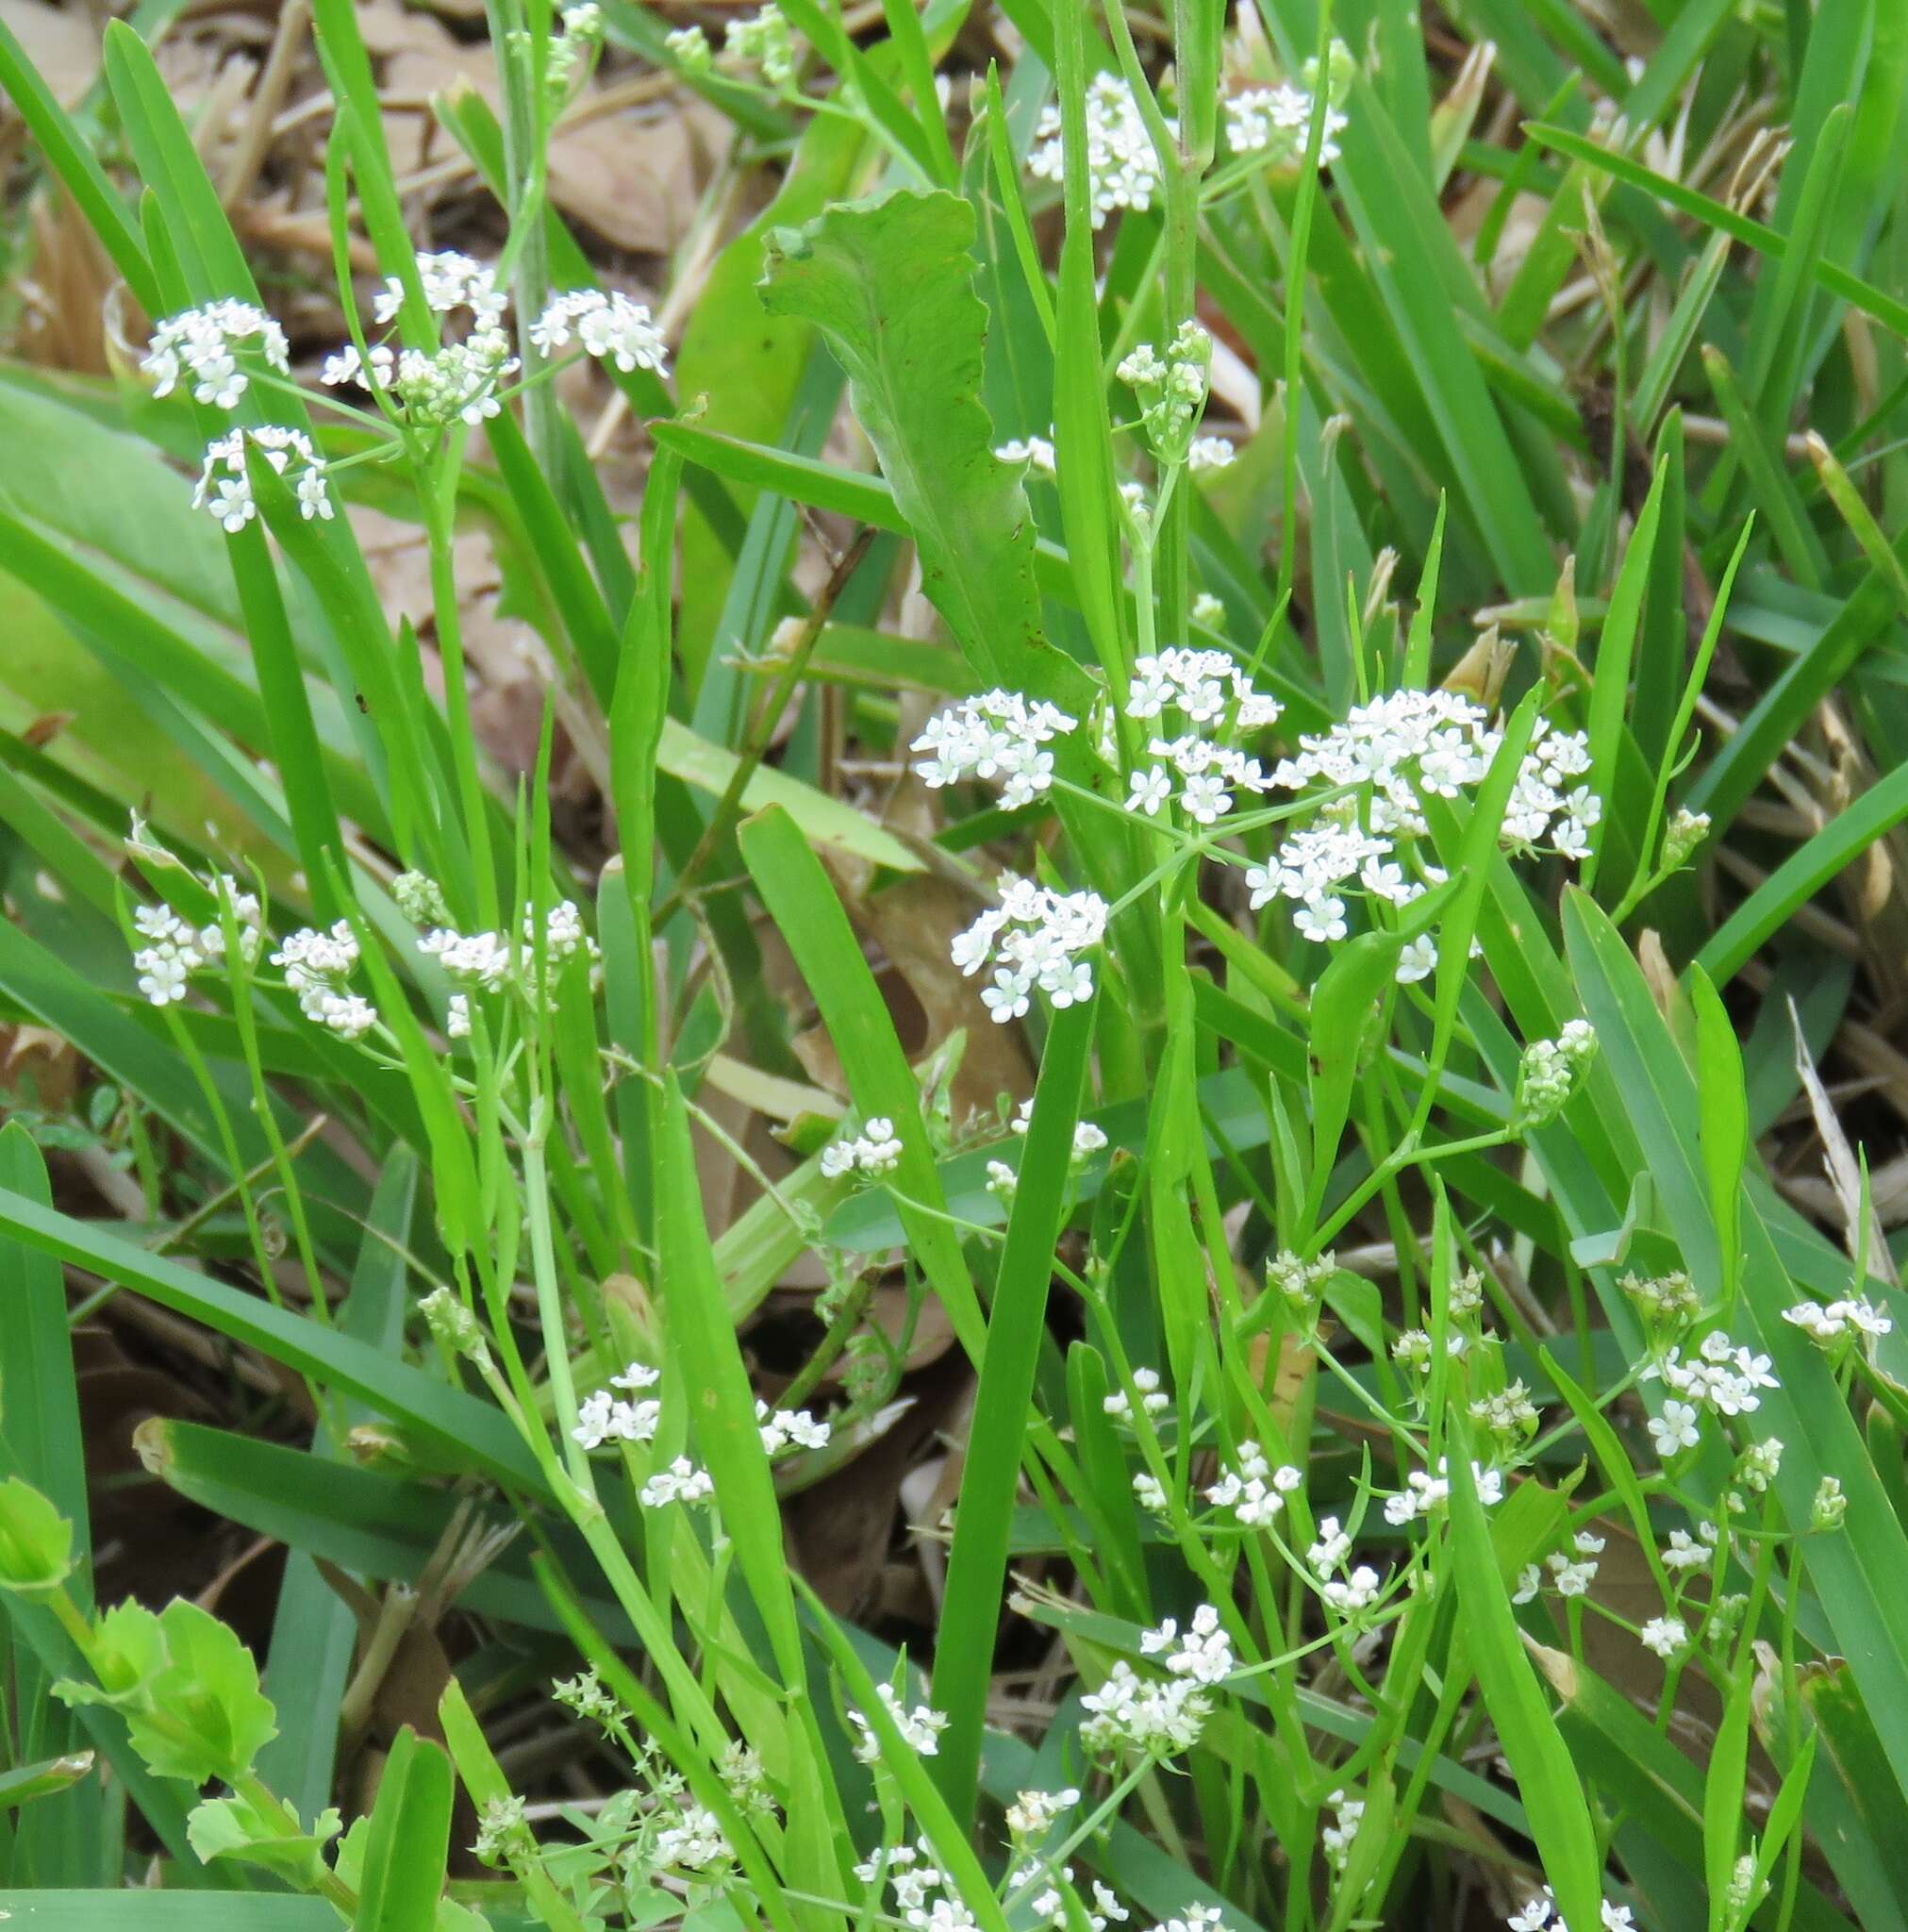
(226, 489)
(1122, 164)
(202, 345)
(1034, 940)
(610, 327)
(996, 735)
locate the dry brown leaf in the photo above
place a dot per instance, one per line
(632, 177)
(62, 43)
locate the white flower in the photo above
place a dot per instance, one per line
(1209, 453)
(1417, 960)
(1321, 918)
(1032, 1813)
(610, 326)
(920, 1728)
(1530, 1579)
(1150, 1493)
(602, 1418)
(1131, 1713)
(1148, 791)
(1763, 1463)
(1204, 1653)
(1036, 935)
(451, 281)
(681, 1482)
(1684, 1552)
(1209, 611)
(225, 488)
(1353, 1592)
(1275, 123)
(202, 345)
(1331, 1549)
(787, 1428)
(1825, 1325)
(458, 1017)
(877, 1150)
(997, 734)
(1666, 1636)
(1123, 165)
(162, 972)
(1674, 1429)
(1036, 452)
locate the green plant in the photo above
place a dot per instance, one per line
(1398, 1391)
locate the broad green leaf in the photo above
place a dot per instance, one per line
(889, 282)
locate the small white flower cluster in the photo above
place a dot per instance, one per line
(1088, 1140)
(998, 734)
(1548, 1072)
(1253, 1491)
(1209, 611)
(1348, 1814)
(1208, 454)
(1036, 452)
(1829, 1507)
(1033, 1814)
(1725, 1379)
(873, 1151)
(610, 327)
(920, 1729)
(317, 965)
(1390, 750)
(1570, 1575)
(1170, 387)
(681, 1482)
(176, 950)
(1123, 165)
(1686, 1551)
(456, 383)
(1157, 1718)
(1038, 936)
(204, 345)
(483, 962)
(584, 1697)
(450, 280)
(1827, 1325)
(913, 1879)
(764, 39)
(1050, 1906)
(601, 1418)
(740, 1771)
(1541, 1915)
(1214, 700)
(1357, 1590)
(1424, 1492)
(1203, 1654)
(783, 1429)
(1275, 122)
(693, 1844)
(226, 489)
(1299, 1281)
(1152, 1398)
(1666, 1636)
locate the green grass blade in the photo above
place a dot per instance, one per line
(458, 1425)
(1016, 1328)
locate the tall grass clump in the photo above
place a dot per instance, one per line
(1129, 1234)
